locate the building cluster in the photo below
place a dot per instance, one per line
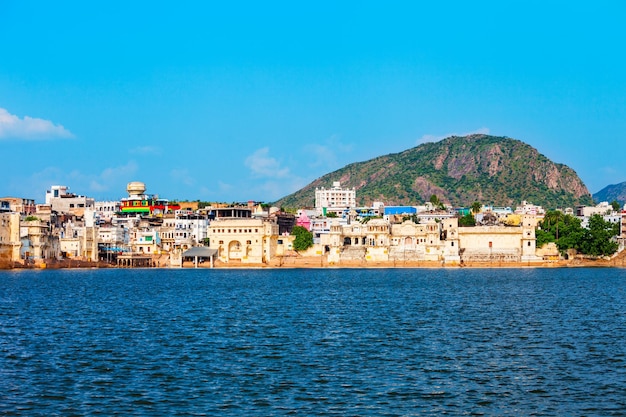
(145, 230)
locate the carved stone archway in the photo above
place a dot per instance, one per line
(235, 250)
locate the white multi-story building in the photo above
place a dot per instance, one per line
(145, 241)
(62, 201)
(105, 210)
(190, 227)
(113, 236)
(604, 208)
(335, 199)
(529, 208)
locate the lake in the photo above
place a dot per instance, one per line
(380, 342)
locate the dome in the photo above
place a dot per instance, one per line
(136, 188)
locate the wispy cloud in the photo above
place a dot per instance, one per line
(263, 165)
(145, 150)
(110, 181)
(224, 187)
(272, 190)
(183, 176)
(327, 155)
(13, 127)
(112, 176)
(437, 138)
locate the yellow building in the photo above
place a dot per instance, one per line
(244, 240)
(443, 240)
(9, 239)
(499, 243)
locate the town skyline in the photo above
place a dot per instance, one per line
(249, 102)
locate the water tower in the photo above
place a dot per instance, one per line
(136, 189)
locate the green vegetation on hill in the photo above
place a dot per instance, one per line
(459, 171)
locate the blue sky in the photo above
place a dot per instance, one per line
(253, 100)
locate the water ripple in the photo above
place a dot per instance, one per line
(313, 342)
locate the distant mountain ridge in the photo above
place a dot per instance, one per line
(613, 192)
(458, 170)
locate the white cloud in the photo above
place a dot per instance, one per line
(272, 190)
(110, 181)
(437, 138)
(183, 176)
(146, 150)
(263, 165)
(224, 186)
(12, 126)
(326, 155)
(112, 176)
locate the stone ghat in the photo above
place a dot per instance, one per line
(490, 256)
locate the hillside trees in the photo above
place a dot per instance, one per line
(457, 171)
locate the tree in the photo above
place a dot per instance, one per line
(566, 231)
(413, 217)
(563, 229)
(434, 200)
(476, 206)
(467, 221)
(598, 237)
(615, 205)
(543, 237)
(303, 240)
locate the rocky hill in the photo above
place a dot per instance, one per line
(458, 170)
(610, 193)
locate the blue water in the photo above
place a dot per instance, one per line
(313, 342)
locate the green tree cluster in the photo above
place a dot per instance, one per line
(566, 231)
(303, 240)
(467, 221)
(434, 200)
(615, 205)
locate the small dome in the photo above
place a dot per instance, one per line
(136, 188)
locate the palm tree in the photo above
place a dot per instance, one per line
(476, 206)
